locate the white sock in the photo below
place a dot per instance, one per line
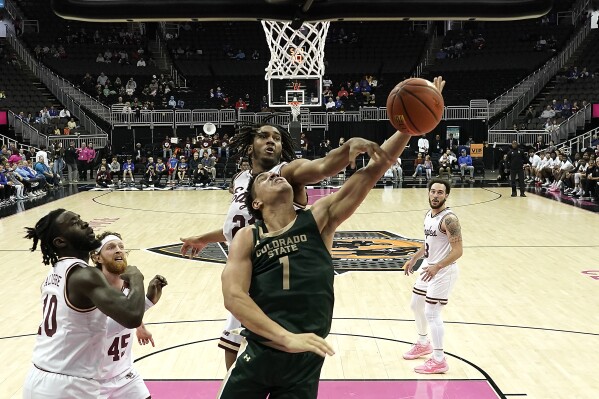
(433, 316)
(418, 305)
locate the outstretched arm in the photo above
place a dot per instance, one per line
(303, 171)
(195, 244)
(334, 209)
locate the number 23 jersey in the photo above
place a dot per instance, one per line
(238, 215)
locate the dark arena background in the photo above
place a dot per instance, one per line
(170, 79)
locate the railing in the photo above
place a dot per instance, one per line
(28, 132)
(62, 88)
(36, 139)
(574, 123)
(95, 140)
(309, 119)
(13, 10)
(429, 53)
(578, 143)
(567, 128)
(525, 91)
(9, 143)
(526, 137)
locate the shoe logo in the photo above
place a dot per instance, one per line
(374, 250)
(247, 357)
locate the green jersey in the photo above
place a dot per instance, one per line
(292, 277)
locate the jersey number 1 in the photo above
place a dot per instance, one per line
(49, 314)
(284, 261)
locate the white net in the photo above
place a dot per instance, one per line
(295, 53)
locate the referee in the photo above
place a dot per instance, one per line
(516, 158)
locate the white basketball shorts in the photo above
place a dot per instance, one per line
(40, 384)
(229, 341)
(438, 289)
(127, 385)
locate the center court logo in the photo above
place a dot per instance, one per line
(375, 250)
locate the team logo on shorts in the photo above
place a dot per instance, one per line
(352, 251)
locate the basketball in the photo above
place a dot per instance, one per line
(415, 106)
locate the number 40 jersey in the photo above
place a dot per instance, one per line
(69, 340)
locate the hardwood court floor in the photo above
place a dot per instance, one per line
(523, 314)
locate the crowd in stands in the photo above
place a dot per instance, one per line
(549, 168)
(51, 121)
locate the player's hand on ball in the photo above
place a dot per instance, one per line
(144, 336)
(297, 343)
(155, 288)
(439, 83)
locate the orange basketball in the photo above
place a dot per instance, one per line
(415, 106)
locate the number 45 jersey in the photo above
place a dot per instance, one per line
(69, 340)
(292, 277)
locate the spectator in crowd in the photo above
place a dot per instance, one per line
(451, 143)
(149, 179)
(172, 103)
(71, 157)
(444, 167)
(419, 165)
(64, 113)
(161, 171)
(209, 163)
(530, 114)
(397, 170)
(240, 105)
(465, 163)
(141, 62)
(71, 125)
(548, 113)
(103, 178)
(128, 169)
(330, 104)
(182, 169)
(201, 176)
(102, 79)
(423, 145)
(131, 86)
(114, 169)
(173, 163)
(42, 153)
(428, 167)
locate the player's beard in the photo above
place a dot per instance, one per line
(438, 205)
(116, 267)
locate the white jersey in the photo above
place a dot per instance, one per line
(69, 340)
(117, 354)
(238, 215)
(436, 242)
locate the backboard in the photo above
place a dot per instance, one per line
(308, 91)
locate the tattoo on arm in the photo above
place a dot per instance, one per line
(452, 226)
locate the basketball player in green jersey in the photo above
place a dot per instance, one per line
(278, 280)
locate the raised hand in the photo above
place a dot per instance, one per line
(155, 288)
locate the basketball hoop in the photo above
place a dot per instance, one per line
(295, 109)
(295, 52)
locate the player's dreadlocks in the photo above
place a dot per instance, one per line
(244, 138)
(45, 232)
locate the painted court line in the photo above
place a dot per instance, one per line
(342, 389)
